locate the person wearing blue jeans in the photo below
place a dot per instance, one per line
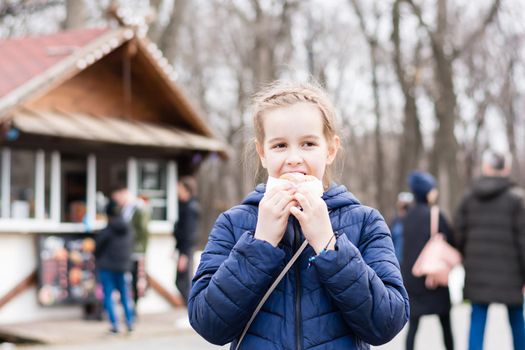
(112, 280)
(490, 228)
(114, 246)
(478, 320)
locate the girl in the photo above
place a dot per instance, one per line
(344, 291)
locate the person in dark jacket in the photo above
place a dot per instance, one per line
(185, 233)
(345, 291)
(114, 245)
(416, 231)
(490, 231)
(137, 213)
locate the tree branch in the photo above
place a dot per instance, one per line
(243, 16)
(16, 9)
(362, 23)
(419, 15)
(476, 34)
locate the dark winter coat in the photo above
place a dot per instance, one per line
(491, 236)
(185, 230)
(347, 298)
(416, 231)
(114, 246)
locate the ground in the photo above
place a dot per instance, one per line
(172, 331)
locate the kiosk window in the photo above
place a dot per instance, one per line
(74, 184)
(22, 184)
(111, 173)
(152, 186)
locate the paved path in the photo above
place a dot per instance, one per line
(168, 332)
(428, 337)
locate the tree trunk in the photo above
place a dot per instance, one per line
(169, 40)
(264, 70)
(75, 14)
(155, 29)
(444, 162)
(507, 98)
(445, 145)
(380, 196)
(473, 152)
(411, 143)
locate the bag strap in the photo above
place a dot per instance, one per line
(270, 290)
(434, 220)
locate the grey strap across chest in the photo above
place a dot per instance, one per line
(270, 290)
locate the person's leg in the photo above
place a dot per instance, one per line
(478, 319)
(183, 280)
(518, 326)
(411, 335)
(106, 279)
(181, 284)
(447, 331)
(134, 284)
(124, 298)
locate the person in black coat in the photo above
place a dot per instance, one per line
(416, 231)
(185, 233)
(114, 246)
(490, 232)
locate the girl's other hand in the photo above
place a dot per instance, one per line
(314, 219)
(182, 265)
(274, 210)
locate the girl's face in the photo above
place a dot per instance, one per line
(294, 141)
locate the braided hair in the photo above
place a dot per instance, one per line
(281, 94)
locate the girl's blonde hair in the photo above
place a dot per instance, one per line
(281, 94)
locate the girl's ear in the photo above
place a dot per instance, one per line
(260, 152)
(333, 147)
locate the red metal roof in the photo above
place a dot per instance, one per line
(24, 58)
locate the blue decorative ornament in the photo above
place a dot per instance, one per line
(12, 134)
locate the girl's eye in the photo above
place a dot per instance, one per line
(279, 145)
(310, 144)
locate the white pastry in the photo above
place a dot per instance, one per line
(310, 182)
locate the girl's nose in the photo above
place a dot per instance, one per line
(294, 158)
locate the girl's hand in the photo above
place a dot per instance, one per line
(274, 210)
(314, 220)
(182, 265)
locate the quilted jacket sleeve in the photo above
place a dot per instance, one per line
(366, 283)
(460, 222)
(231, 279)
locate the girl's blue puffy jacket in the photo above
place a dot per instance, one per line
(347, 299)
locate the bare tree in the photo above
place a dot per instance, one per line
(507, 102)
(411, 144)
(75, 14)
(170, 38)
(371, 37)
(444, 161)
(11, 8)
(156, 28)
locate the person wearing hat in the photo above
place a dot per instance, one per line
(416, 231)
(490, 233)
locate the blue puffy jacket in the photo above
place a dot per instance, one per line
(347, 299)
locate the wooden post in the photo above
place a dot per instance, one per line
(174, 300)
(18, 289)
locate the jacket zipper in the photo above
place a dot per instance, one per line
(298, 328)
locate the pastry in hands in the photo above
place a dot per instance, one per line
(299, 180)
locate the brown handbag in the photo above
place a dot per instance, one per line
(437, 258)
